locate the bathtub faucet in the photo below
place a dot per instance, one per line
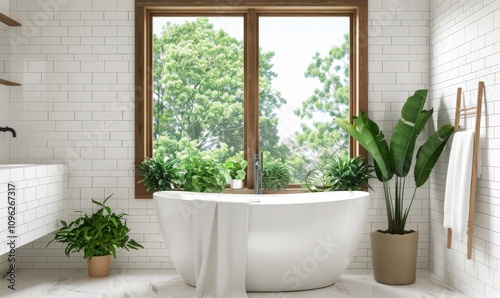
(258, 160)
(6, 128)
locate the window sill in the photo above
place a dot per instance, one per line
(266, 191)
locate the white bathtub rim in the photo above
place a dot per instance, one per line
(264, 199)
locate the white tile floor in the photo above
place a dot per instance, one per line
(74, 283)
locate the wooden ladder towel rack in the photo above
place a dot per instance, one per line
(464, 112)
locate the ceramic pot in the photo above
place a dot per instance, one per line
(394, 257)
(236, 184)
(98, 266)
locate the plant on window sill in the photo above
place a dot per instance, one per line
(275, 176)
(235, 170)
(340, 173)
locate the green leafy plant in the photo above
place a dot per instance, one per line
(275, 176)
(317, 181)
(202, 175)
(97, 235)
(236, 169)
(397, 159)
(340, 173)
(159, 173)
(348, 173)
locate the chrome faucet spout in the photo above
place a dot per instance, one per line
(258, 159)
(6, 128)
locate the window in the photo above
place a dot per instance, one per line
(231, 88)
(306, 88)
(198, 86)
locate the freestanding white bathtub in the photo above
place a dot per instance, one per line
(295, 241)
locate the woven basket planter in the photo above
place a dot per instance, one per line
(394, 257)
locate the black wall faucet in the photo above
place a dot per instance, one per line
(6, 128)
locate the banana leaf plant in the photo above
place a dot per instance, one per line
(396, 159)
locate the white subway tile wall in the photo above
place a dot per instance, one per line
(4, 90)
(398, 65)
(4, 111)
(465, 48)
(76, 106)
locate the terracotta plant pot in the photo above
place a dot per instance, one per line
(98, 266)
(394, 257)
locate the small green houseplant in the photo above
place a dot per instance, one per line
(98, 235)
(392, 163)
(275, 175)
(202, 175)
(317, 180)
(340, 173)
(236, 170)
(159, 173)
(349, 173)
(190, 173)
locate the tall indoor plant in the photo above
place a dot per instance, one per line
(392, 164)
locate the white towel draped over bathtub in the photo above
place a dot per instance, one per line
(220, 237)
(458, 180)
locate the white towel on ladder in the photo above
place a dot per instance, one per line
(458, 180)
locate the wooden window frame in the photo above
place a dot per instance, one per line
(145, 10)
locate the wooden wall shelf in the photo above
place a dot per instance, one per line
(13, 23)
(8, 21)
(9, 83)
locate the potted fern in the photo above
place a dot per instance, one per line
(275, 176)
(394, 251)
(340, 173)
(98, 235)
(159, 173)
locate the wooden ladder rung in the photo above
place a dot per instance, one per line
(468, 113)
(467, 108)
